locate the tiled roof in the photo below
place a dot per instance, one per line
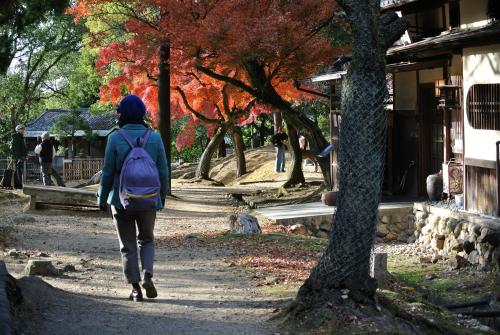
(105, 121)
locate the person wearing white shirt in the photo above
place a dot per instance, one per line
(46, 153)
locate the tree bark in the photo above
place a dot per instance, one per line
(278, 121)
(239, 150)
(294, 119)
(221, 150)
(203, 169)
(262, 131)
(295, 173)
(345, 262)
(164, 106)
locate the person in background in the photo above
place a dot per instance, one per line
(19, 155)
(131, 112)
(279, 140)
(46, 153)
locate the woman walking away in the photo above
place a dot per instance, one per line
(133, 183)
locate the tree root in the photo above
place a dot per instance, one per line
(345, 311)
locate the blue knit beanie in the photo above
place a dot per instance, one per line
(131, 108)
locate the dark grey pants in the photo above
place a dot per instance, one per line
(46, 173)
(133, 245)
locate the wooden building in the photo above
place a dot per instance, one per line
(101, 125)
(444, 104)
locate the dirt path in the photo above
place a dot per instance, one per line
(198, 292)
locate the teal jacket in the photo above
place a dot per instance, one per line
(116, 152)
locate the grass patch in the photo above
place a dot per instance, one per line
(282, 291)
(450, 285)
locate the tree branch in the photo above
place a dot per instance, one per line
(391, 27)
(192, 110)
(233, 81)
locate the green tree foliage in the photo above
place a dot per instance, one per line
(318, 111)
(70, 126)
(17, 17)
(38, 73)
(193, 153)
(75, 83)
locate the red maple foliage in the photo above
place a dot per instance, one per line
(206, 37)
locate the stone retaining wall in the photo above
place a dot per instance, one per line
(474, 237)
(399, 226)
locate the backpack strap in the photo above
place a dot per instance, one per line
(127, 137)
(139, 142)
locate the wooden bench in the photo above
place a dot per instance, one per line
(63, 196)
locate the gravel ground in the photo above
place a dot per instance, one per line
(198, 292)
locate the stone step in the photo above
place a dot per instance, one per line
(298, 213)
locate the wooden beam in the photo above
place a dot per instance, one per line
(55, 195)
(480, 163)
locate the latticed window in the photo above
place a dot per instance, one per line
(483, 106)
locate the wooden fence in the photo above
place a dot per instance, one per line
(81, 168)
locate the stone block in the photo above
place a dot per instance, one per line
(322, 234)
(402, 237)
(427, 229)
(457, 245)
(299, 229)
(386, 219)
(325, 225)
(41, 268)
(382, 230)
(420, 216)
(457, 262)
(437, 244)
(468, 246)
(393, 228)
(391, 237)
(473, 257)
(457, 229)
(244, 224)
(378, 265)
(489, 236)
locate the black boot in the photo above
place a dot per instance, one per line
(148, 285)
(136, 294)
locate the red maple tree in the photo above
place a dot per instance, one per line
(255, 47)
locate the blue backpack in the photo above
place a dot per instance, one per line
(139, 178)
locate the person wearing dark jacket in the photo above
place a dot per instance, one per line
(19, 155)
(280, 140)
(46, 152)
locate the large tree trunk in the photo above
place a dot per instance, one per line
(203, 169)
(239, 150)
(294, 119)
(164, 105)
(345, 262)
(295, 173)
(278, 121)
(221, 150)
(262, 130)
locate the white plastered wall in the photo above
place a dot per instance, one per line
(481, 65)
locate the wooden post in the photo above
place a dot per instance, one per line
(164, 105)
